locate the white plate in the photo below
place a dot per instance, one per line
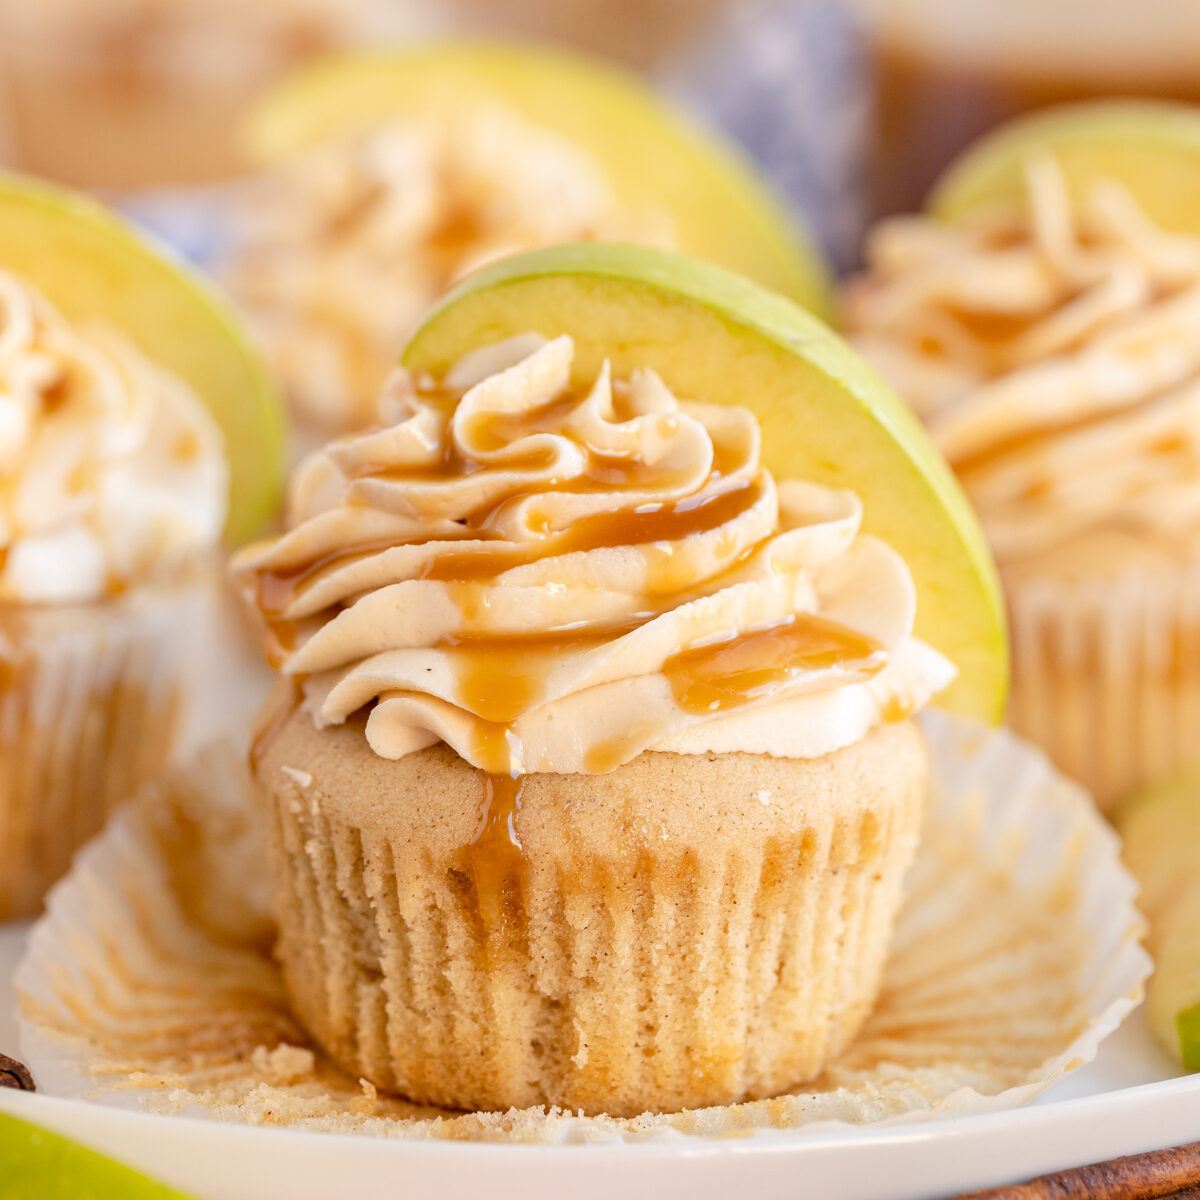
(1129, 1100)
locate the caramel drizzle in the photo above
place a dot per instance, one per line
(741, 668)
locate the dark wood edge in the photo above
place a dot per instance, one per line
(15, 1074)
(1158, 1174)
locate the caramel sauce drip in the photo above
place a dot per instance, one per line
(272, 722)
(994, 329)
(494, 858)
(499, 678)
(896, 710)
(738, 669)
(649, 524)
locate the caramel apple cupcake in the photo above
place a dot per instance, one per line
(592, 775)
(114, 490)
(1050, 339)
(391, 176)
(121, 94)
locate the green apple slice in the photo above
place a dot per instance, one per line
(651, 154)
(35, 1162)
(1173, 994)
(90, 265)
(1152, 147)
(825, 415)
(1160, 827)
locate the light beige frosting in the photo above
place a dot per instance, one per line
(1055, 359)
(341, 253)
(550, 580)
(112, 472)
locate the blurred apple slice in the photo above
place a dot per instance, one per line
(652, 155)
(37, 1163)
(1161, 830)
(1151, 146)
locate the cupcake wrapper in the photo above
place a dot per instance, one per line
(601, 984)
(1106, 675)
(1016, 952)
(90, 704)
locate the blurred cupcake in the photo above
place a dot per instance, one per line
(1053, 350)
(135, 428)
(340, 252)
(592, 782)
(113, 494)
(127, 93)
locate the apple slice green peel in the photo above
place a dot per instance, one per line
(1160, 827)
(1151, 146)
(90, 265)
(825, 416)
(37, 1163)
(651, 154)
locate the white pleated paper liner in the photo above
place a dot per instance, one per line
(149, 983)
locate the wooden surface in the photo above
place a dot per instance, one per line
(14, 1074)
(1173, 1173)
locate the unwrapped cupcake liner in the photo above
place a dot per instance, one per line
(149, 984)
(1106, 674)
(603, 979)
(91, 701)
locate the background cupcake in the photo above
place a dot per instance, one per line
(593, 781)
(392, 175)
(1049, 340)
(115, 487)
(130, 93)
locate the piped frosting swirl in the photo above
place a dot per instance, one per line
(555, 579)
(1055, 356)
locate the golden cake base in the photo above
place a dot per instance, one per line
(680, 932)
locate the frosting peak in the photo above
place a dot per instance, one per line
(1055, 357)
(111, 470)
(552, 579)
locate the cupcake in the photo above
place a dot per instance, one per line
(1052, 347)
(391, 176)
(114, 492)
(592, 775)
(130, 93)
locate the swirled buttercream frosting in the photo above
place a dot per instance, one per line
(554, 579)
(1054, 353)
(112, 471)
(338, 254)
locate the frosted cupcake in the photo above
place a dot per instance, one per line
(592, 781)
(1054, 353)
(135, 429)
(113, 494)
